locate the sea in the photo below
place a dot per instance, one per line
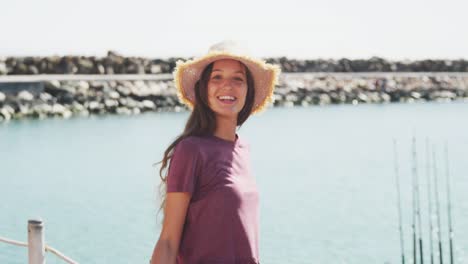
(326, 176)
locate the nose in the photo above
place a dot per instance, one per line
(227, 84)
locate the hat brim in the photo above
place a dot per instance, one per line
(265, 76)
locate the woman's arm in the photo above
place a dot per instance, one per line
(166, 249)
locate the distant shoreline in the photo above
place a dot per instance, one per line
(42, 96)
(114, 63)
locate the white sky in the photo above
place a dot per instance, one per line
(393, 29)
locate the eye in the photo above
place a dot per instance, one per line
(217, 77)
(239, 79)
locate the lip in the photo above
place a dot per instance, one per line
(227, 102)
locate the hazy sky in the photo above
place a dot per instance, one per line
(395, 29)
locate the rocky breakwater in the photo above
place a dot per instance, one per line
(114, 63)
(323, 89)
(83, 98)
(373, 64)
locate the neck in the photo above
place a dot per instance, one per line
(226, 128)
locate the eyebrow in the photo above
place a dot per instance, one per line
(221, 71)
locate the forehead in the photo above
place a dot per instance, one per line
(228, 65)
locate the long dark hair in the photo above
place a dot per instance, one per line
(202, 119)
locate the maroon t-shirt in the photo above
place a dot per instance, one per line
(222, 220)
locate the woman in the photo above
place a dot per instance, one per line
(211, 212)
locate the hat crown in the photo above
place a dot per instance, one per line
(229, 46)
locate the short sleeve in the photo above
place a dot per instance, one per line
(183, 168)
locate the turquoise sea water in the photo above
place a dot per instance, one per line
(325, 177)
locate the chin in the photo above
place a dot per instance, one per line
(230, 113)
(227, 114)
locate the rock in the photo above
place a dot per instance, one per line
(67, 65)
(447, 94)
(123, 111)
(154, 69)
(55, 89)
(77, 107)
(111, 104)
(374, 97)
(42, 110)
(114, 95)
(82, 87)
(278, 98)
(123, 101)
(131, 103)
(46, 97)
(157, 88)
(125, 91)
(109, 70)
(32, 69)
(52, 84)
(85, 66)
(24, 110)
(3, 68)
(385, 97)
(112, 84)
(67, 114)
(291, 98)
(148, 105)
(25, 96)
(65, 98)
(2, 97)
(81, 98)
(97, 85)
(58, 109)
(415, 95)
(94, 106)
(325, 99)
(136, 111)
(7, 112)
(362, 97)
(100, 69)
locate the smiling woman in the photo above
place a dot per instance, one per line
(211, 207)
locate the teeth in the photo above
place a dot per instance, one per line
(227, 97)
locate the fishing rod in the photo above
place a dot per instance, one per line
(434, 163)
(418, 206)
(428, 172)
(449, 206)
(415, 249)
(397, 182)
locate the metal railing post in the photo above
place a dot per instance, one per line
(36, 245)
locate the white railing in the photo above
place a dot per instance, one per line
(36, 245)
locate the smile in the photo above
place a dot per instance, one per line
(227, 99)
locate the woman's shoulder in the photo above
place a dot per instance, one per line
(206, 143)
(190, 143)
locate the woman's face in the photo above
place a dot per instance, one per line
(227, 88)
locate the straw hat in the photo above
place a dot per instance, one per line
(265, 75)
